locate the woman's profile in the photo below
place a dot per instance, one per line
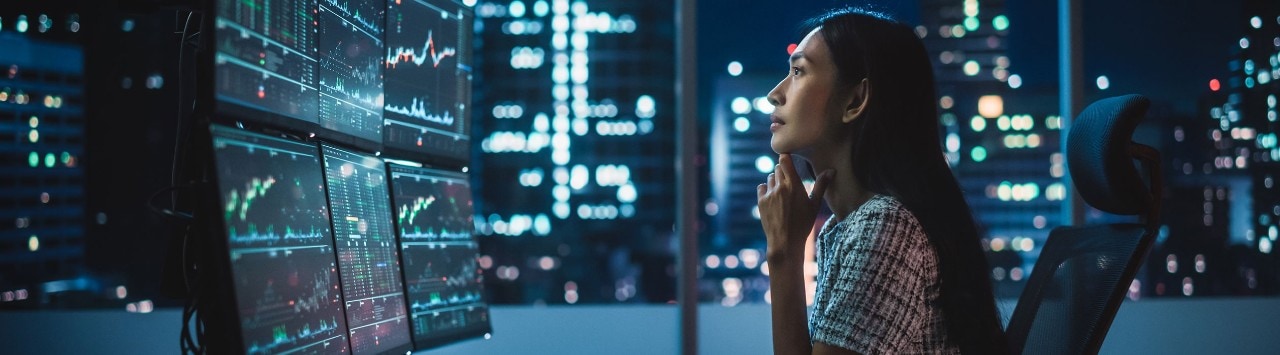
(900, 267)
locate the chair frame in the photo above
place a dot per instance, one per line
(1029, 303)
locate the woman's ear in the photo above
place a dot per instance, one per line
(858, 99)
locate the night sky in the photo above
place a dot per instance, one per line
(1167, 50)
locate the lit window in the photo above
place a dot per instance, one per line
(735, 68)
(764, 164)
(740, 105)
(978, 154)
(971, 68)
(1000, 22)
(741, 124)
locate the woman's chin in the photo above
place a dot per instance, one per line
(782, 147)
(778, 148)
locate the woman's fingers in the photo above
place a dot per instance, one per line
(786, 168)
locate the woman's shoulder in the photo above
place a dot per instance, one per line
(883, 209)
(882, 214)
(884, 224)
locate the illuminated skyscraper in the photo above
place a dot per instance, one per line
(1229, 151)
(42, 109)
(740, 159)
(1002, 141)
(574, 122)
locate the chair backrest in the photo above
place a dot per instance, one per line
(1083, 272)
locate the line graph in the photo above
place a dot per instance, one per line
(440, 277)
(418, 109)
(268, 236)
(289, 302)
(350, 13)
(428, 77)
(410, 55)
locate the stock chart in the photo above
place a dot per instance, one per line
(428, 77)
(367, 257)
(350, 49)
(442, 277)
(266, 57)
(281, 251)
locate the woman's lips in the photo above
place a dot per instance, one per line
(775, 123)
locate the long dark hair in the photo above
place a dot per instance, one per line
(897, 152)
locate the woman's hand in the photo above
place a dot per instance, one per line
(787, 211)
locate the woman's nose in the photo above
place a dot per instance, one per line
(775, 96)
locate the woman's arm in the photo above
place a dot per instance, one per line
(786, 284)
(787, 212)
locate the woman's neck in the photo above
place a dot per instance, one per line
(844, 194)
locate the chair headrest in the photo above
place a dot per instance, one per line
(1099, 158)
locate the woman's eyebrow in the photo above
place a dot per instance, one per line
(797, 55)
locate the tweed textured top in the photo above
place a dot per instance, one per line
(878, 284)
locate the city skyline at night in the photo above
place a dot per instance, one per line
(573, 105)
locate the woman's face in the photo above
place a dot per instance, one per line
(807, 112)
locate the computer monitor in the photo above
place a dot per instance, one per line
(368, 257)
(265, 62)
(308, 67)
(279, 246)
(428, 86)
(349, 49)
(443, 280)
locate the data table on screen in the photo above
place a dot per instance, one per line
(266, 57)
(366, 246)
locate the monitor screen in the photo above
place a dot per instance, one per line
(368, 259)
(428, 87)
(442, 277)
(349, 48)
(266, 60)
(281, 250)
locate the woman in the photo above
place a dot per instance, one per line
(900, 265)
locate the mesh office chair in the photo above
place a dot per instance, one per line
(1083, 272)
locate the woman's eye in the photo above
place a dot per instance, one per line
(795, 71)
